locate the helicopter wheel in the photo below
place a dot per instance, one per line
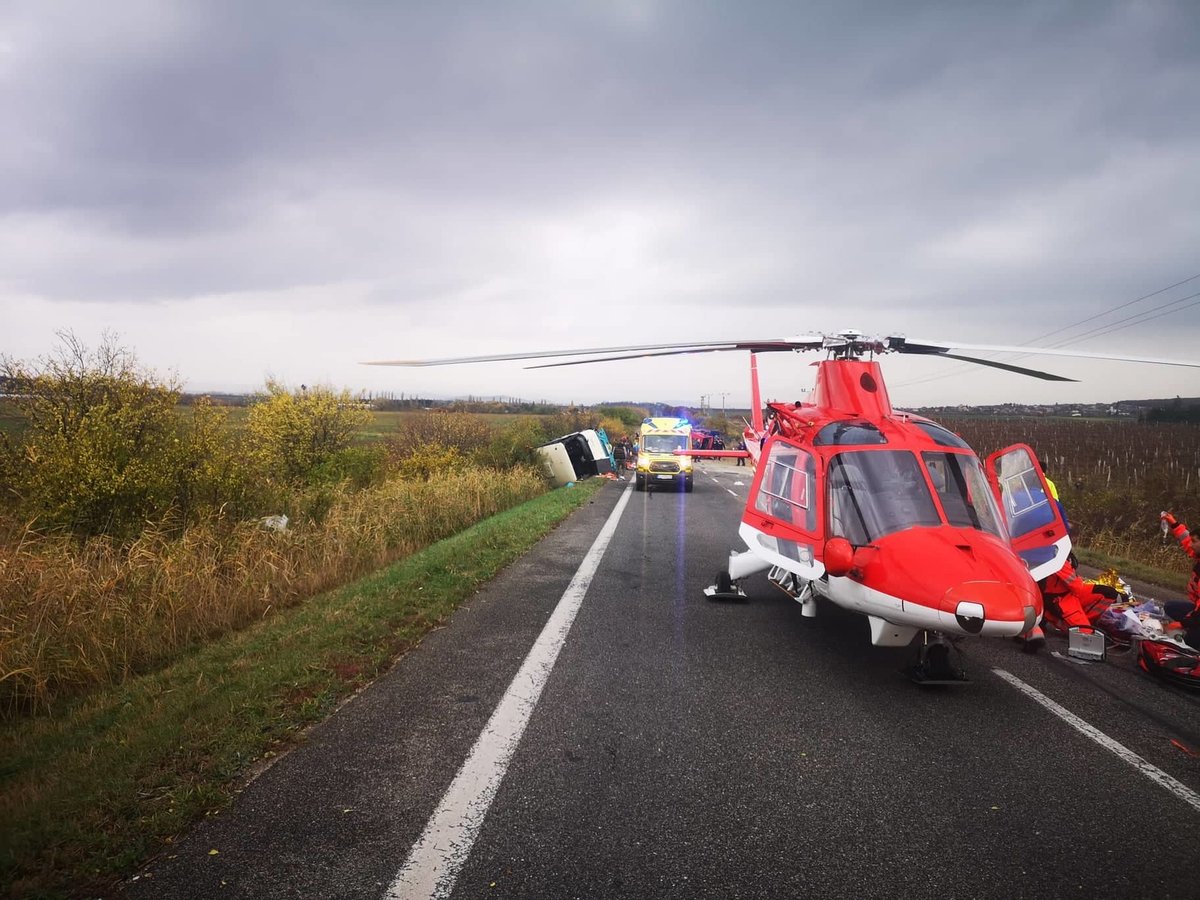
(936, 663)
(723, 588)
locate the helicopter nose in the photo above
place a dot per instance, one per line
(970, 616)
(993, 608)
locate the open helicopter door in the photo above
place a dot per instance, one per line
(783, 522)
(1035, 524)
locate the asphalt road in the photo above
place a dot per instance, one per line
(689, 748)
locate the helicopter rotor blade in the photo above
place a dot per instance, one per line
(1008, 367)
(801, 342)
(943, 348)
(754, 348)
(852, 342)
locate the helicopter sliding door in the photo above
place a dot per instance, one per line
(1039, 534)
(781, 521)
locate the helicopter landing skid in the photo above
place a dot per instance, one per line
(724, 589)
(938, 662)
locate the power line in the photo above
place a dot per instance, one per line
(1145, 318)
(1115, 308)
(1136, 319)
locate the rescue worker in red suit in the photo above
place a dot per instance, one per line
(1075, 602)
(1186, 612)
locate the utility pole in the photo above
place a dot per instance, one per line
(724, 394)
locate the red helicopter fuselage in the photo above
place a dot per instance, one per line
(885, 513)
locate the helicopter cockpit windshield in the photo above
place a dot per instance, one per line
(962, 489)
(873, 493)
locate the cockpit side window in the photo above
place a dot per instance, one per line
(962, 489)
(849, 434)
(785, 492)
(942, 436)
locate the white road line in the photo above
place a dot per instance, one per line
(732, 492)
(1151, 771)
(438, 855)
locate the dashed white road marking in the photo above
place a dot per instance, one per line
(1151, 771)
(731, 491)
(438, 856)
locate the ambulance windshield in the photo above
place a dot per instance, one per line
(664, 443)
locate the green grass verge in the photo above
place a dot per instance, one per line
(89, 793)
(1132, 569)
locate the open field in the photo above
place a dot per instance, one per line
(381, 425)
(1113, 477)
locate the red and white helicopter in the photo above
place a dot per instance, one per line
(882, 512)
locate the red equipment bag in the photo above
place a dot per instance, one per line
(1170, 662)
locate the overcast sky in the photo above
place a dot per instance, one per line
(242, 190)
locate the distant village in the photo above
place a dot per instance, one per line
(1175, 409)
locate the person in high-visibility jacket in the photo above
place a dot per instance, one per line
(1075, 602)
(1062, 510)
(1186, 612)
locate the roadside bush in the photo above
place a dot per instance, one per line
(567, 421)
(103, 450)
(464, 432)
(358, 467)
(512, 444)
(428, 460)
(615, 429)
(290, 434)
(212, 473)
(630, 417)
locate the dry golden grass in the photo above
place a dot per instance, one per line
(74, 615)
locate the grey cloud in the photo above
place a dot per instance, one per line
(810, 153)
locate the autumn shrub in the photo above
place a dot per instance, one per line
(357, 467)
(630, 417)
(103, 449)
(512, 444)
(429, 460)
(568, 420)
(464, 432)
(291, 434)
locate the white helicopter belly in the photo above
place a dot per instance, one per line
(899, 620)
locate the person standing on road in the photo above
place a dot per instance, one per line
(741, 445)
(619, 454)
